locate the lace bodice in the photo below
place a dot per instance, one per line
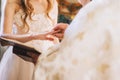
(40, 22)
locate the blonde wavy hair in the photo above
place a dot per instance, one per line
(28, 10)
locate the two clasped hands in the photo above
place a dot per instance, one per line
(57, 32)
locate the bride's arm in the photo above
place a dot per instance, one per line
(8, 15)
(26, 38)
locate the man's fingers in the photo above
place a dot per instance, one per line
(59, 35)
(55, 32)
(60, 26)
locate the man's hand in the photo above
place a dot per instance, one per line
(59, 30)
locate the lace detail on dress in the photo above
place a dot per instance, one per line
(40, 22)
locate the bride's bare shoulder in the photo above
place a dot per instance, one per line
(15, 4)
(13, 1)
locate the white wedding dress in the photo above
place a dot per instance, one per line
(90, 49)
(13, 67)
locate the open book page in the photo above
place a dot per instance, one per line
(23, 50)
(10, 42)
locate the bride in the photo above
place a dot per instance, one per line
(22, 21)
(90, 49)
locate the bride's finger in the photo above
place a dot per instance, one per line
(50, 37)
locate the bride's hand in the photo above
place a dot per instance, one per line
(52, 38)
(43, 36)
(46, 36)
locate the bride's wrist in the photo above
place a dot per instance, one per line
(32, 37)
(36, 36)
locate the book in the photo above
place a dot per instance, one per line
(26, 52)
